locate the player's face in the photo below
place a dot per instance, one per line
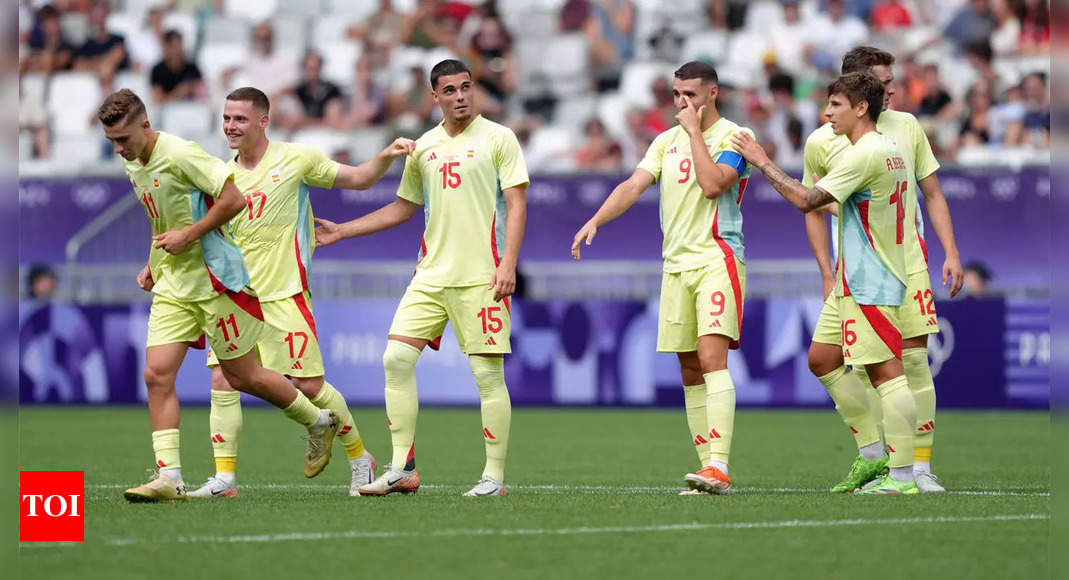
(456, 96)
(243, 124)
(699, 94)
(128, 139)
(887, 77)
(840, 114)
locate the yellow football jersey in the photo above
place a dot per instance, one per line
(275, 231)
(459, 181)
(697, 231)
(177, 186)
(823, 144)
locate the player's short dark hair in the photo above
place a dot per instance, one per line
(863, 58)
(171, 35)
(697, 69)
(122, 105)
(858, 87)
(253, 95)
(446, 68)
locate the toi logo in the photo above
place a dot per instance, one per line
(51, 506)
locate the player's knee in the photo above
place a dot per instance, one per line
(310, 386)
(489, 373)
(219, 382)
(713, 361)
(819, 363)
(157, 378)
(399, 358)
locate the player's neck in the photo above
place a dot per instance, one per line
(456, 127)
(859, 131)
(710, 118)
(150, 145)
(252, 156)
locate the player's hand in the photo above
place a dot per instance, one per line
(829, 285)
(749, 148)
(585, 234)
(504, 281)
(326, 232)
(400, 146)
(144, 279)
(173, 242)
(954, 274)
(690, 118)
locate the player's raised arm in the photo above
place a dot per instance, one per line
(622, 197)
(384, 218)
(371, 171)
(714, 177)
(804, 198)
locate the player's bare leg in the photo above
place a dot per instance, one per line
(720, 415)
(161, 368)
(323, 395)
(496, 410)
(402, 407)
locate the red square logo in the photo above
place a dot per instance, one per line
(52, 506)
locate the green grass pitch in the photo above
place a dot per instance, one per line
(592, 494)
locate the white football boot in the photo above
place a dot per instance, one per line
(486, 487)
(216, 487)
(363, 469)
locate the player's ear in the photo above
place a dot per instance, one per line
(714, 90)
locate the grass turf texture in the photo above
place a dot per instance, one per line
(592, 494)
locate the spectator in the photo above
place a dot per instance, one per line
(146, 44)
(41, 283)
(890, 16)
(49, 50)
(367, 101)
(411, 107)
(788, 38)
(1006, 119)
(662, 116)
(175, 78)
(103, 52)
(977, 276)
(786, 109)
(975, 128)
(979, 56)
(609, 29)
(597, 152)
(267, 69)
(832, 34)
(971, 24)
(315, 95)
(1035, 27)
(494, 64)
(936, 100)
(1007, 29)
(434, 23)
(382, 28)
(1037, 115)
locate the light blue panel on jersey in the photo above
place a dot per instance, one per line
(305, 237)
(501, 221)
(221, 255)
(869, 280)
(426, 222)
(729, 215)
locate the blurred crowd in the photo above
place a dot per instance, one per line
(586, 84)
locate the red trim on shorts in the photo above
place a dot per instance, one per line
(200, 343)
(306, 312)
(842, 269)
(733, 275)
(436, 344)
(508, 304)
(863, 210)
(300, 264)
(884, 329)
(493, 241)
(924, 247)
(742, 190)
(247, 302)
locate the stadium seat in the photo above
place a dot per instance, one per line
(220, 30)
(551, 148)
(186, 119)
(746, 50)
(25, 145)
(763, 16)
(366, 143)
(327, 31)
(291, 34)
(73, 98)
(33, 87)
(136, 82)
(78, 151)
(75, 27)
(565, 59)
(612, 111)
(252, 10)
(122, 23)
(214, 143)
(326, 140)
(349, 11)
(576, 111)
(213, 59)
(637, 80)
(654, 17)
(709, 46)
(302, 9)
(339, 61)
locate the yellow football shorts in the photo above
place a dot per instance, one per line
(702, 301)
(289, 343)
(232, 321)
(867, 334)
(917, 316)
(481, 325)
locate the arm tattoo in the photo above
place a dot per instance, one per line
(815, 198)
(781, 181)
(805, 199)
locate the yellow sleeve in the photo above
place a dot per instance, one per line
(202, 170)
(814, 160)
(847, 173)
(411, 187)
(508, 158)
(321, 171)
(654, 155)
(925, 163)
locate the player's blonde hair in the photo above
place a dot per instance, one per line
(122, 105)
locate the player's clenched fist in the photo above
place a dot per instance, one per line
(173, 242)
(585, 234)
(400, 146)
(144, 279)
(326, 233)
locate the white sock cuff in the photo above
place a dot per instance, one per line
(718, 382)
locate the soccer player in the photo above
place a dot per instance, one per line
(469, 175)
(917, 318)
(702, 181)
(275, 236)
(199, 284)
(867, 180)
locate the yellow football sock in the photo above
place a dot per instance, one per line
(302, 411)
(875, 406)
(402, 402)
(919, 375)
(225, 421)
(899, 420)
(329, 398)
(165, 445)
(496, 408)
(852, 403)
(694, 397)
(719, 414)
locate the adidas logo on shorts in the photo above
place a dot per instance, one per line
(491, 342)
(232, 347)
(297, 366)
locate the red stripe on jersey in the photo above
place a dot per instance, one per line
(863, 210)
(742, 190)
(884, 329)
(493, 241)
(300, 264)
(306, 312)
(216, 284)
(209, 201)
(924, 247)
(508, 305)
(733, 274)
(247, 302)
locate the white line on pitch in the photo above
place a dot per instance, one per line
(462, 532)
